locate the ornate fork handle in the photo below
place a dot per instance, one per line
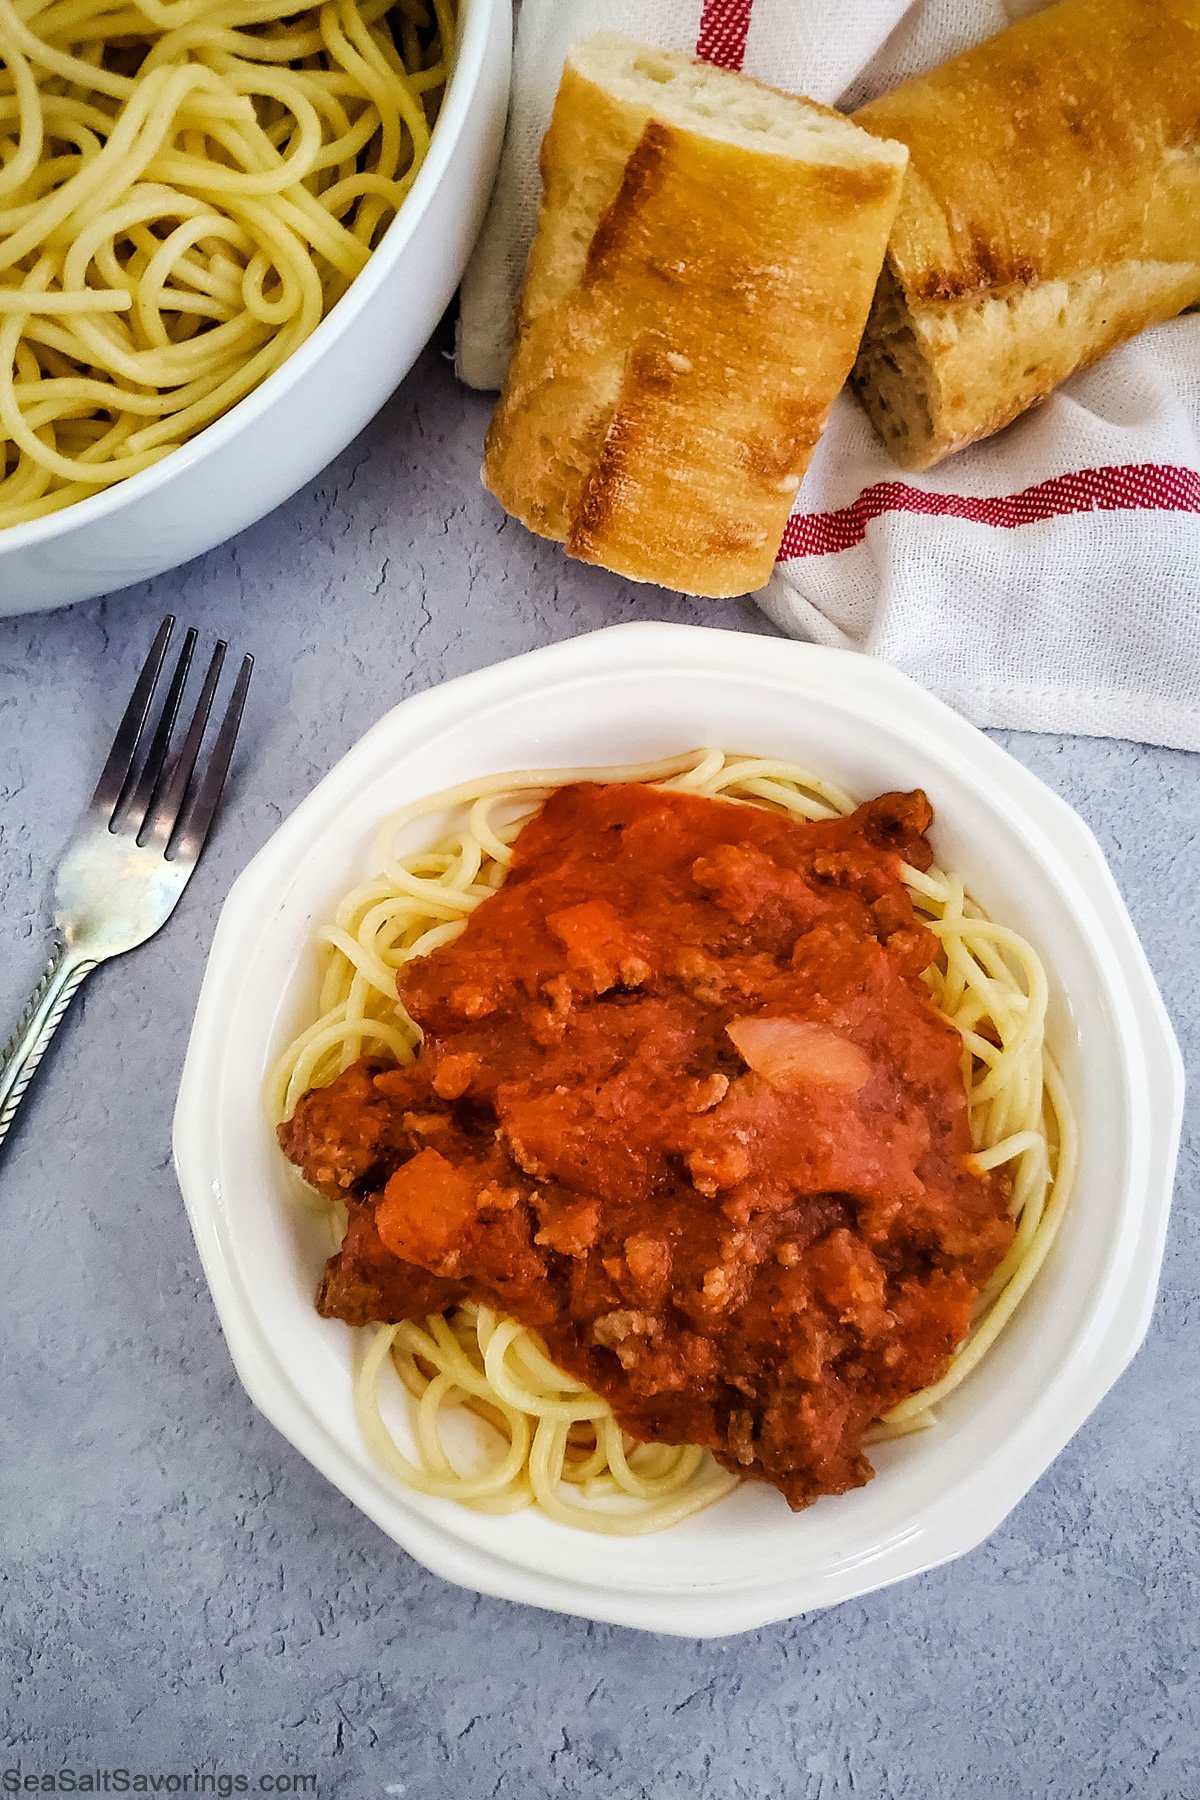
(134, 848)
(36, 1027)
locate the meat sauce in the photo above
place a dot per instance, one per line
(684, 1107)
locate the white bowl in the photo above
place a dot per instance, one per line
(644, 691)
(300, 417)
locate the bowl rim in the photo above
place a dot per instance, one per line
(1151, 1052)
(475, 18)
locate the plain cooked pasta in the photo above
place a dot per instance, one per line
(186, 188)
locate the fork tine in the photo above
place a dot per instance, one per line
(198, 816)
(129, 732)
(160, 823)
(139, 802)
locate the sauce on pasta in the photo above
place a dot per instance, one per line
(683, 1106)
(492, 1422)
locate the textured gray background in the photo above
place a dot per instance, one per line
(179, 1589)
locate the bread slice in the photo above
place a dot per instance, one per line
(1051, 209)
(705, 257)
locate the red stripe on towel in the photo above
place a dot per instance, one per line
(724, 25)
(1122, 488)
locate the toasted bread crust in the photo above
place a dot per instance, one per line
(1051, 210)
(692, 306)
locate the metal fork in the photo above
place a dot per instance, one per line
(133, 849)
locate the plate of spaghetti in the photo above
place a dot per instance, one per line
(679, 1162)
(189, 194)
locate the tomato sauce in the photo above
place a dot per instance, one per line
(685, 1107)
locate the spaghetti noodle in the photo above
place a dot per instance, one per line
(562, 1447)
(186, 188)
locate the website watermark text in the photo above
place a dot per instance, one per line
(67, 1780)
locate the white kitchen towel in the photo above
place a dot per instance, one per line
(1047, 579)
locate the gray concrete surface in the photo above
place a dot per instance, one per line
(179, 1590)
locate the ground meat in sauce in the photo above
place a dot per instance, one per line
(684, 1107)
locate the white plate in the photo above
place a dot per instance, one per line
(637, 692)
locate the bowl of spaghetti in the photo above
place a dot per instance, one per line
(226, 231)
(731, 1126)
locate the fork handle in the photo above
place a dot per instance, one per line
(37, 1025)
